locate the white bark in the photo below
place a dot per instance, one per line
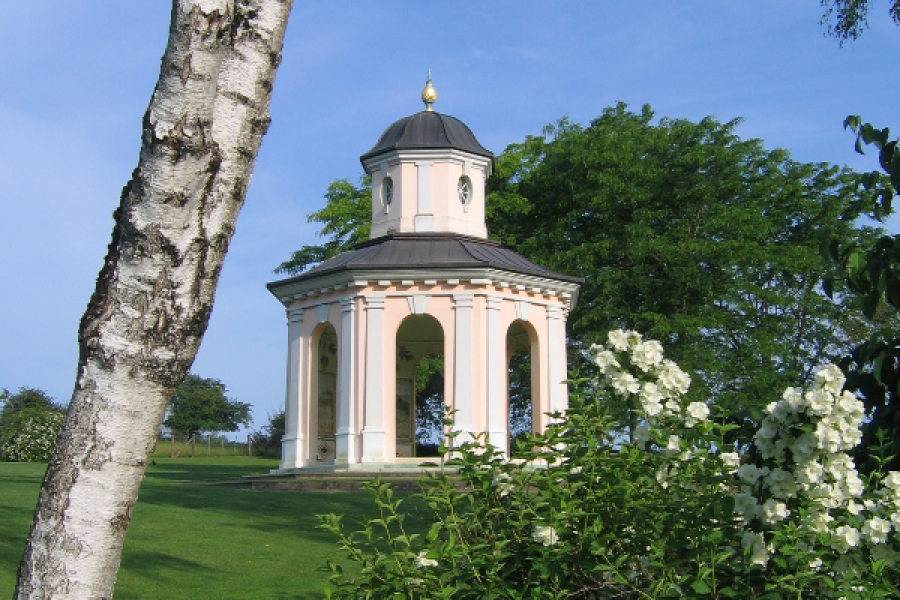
(154, 295)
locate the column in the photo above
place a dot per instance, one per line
(345, 437)
(373, 433)
(556, 340)
(497, 419)
(293, 448)
(462, 359)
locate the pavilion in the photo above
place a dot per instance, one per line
(429, 281)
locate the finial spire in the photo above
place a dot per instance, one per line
(429, 95)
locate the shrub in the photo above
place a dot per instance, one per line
(30, 435)
(29, 424)
(674, 511)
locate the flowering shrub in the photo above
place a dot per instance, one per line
(30, 435)
(673, 511)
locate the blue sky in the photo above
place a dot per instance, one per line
(76, 77)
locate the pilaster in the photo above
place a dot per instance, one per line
(497, 418)
(345, 436)
(463, 401)
(293, 448)
(373, 433)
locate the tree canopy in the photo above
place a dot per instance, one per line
(681, 230)
(847, 19)
(200, 405)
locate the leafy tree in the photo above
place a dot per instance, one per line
(847, 19)
(686, 232)
(29, 423)
(200, 405)
(872, 274)
(681, 230)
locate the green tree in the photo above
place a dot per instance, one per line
(200, 405)
(690, 234)
(683, 231)
(29, 423)
(847, 19)
(872, 274)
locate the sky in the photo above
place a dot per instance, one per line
(76, 77)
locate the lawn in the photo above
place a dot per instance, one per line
(191, 540)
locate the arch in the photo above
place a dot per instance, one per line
(418, 336)
(323, 394)
(523, 389)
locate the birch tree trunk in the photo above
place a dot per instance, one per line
(154, 294)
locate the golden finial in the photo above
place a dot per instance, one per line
(429, 95)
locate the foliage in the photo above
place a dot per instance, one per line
(670, 514)
(200, 405)
(519, 394)
(685, 231)
(347, 216)
(29, 422)
(847, 19)
(872, 274)
(268, 441)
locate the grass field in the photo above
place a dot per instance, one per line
(190, 540)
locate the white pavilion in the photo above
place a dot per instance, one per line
(428, 282)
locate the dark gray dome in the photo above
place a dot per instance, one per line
(427, 130)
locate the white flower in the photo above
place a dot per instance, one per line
(661, 477)
(876, 530)
(618, 340)
(698, 412)
(775, 511)
(544, 534)
(423, 561)
(830, 378)
(672, 378)
(731, 460)
(674, 444)
(844, 538)
(575, 470)
(646, 355)
(892, 480)
(502, 481)
(750, 473)
(624, 383)
(605, 359)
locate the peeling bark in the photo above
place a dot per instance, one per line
(154, 294)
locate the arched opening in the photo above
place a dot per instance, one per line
(323, 412)
(420, 386)
(522, 378)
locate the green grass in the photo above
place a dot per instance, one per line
(191, 540)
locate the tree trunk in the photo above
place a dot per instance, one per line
(154, 294)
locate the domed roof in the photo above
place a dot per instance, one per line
(427, 130)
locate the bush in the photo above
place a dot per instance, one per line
(674, 511)
(29, 423)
